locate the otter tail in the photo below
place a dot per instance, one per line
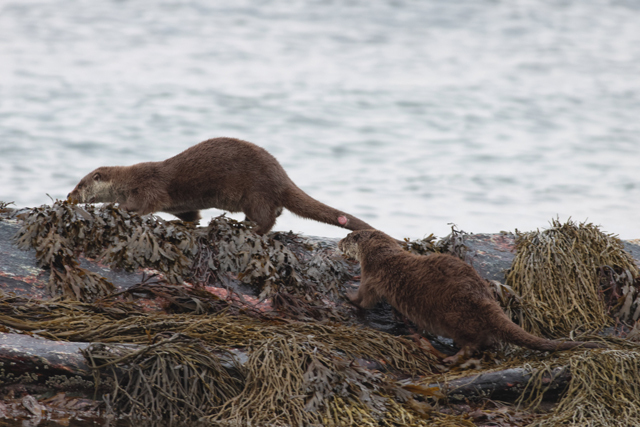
(300, 203)
(512, 333)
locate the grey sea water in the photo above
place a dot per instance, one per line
(493, 115)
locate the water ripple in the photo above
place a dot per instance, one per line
(411, 115)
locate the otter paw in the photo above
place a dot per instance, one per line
(353, 297)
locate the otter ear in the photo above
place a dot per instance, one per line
(97, 176)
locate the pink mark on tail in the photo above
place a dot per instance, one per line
(342, 220)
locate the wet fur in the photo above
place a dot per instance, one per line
(223, 173)
(439, 293)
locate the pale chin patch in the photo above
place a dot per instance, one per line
(342, 220)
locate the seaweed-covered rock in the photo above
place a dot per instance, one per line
(266, 318)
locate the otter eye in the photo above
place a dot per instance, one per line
(96, 176)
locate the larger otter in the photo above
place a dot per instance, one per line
(439, 293)
(223, 173)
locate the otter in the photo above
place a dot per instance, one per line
(224, 173)
(440, 293)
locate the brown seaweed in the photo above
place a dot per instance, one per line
(300, 381)
(556, 273)
(318, 363)
(176, 378)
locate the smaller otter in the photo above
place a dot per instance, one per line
(223, 173)
(440, 293)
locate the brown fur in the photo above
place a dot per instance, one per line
(439, 293)
(223, 173)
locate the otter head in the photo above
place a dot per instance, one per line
(350, 245)
(96, 187)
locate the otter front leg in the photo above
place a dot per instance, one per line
(191, 216)
(364, 297)
(132, 206)
(141, 206)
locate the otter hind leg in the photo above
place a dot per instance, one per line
(262, 214)
(464, 354)
(191, 216)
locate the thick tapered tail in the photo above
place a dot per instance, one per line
(512, 333)
(300, 203)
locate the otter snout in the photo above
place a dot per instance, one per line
(74, 196)
(348, 248)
